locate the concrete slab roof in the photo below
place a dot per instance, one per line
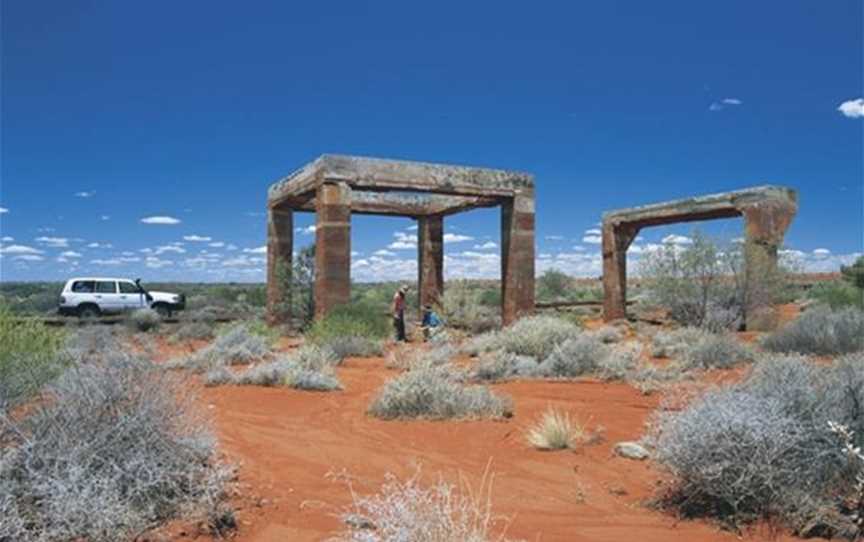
(721, 205)
(380, 175)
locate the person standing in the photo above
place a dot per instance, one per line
(399, 313)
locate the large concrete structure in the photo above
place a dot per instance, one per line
(335, 187)
(767, 212)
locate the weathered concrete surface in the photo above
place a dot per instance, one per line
(430, 259)
(517, 256)
(332, 247)
(280, 244)
(335, 186)
(767, 211)
(380, 174)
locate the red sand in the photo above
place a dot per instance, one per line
(286, 442)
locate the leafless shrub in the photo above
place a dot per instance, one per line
(820, 331)
(762, 448)
(115, 448)
(436, 393)
(409, 511)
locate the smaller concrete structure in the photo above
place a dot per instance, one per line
(335, 187)
(767, 210)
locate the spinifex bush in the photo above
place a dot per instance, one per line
(115, 448)
(555, 431)
(29, 357)
(821, 331)
(763, 448)
(436, 393)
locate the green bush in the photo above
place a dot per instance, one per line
(29, 356)
(355, 320)
(820, 331)
(837, 294)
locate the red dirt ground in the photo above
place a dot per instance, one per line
(286, 442)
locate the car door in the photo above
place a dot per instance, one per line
(131, 297)
(107, 297)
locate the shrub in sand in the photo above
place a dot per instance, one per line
(437, 393)
(409, 358)
(820, 331)
(144, 320)
(309, 368)
(193, 331)
(237, 345)
(29, 357)
(410, 511)
(352, 345)
(116, 448)
(696, 348)
(534, 336)
(763, 448)
(555, 431)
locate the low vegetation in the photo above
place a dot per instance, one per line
(471, 309)
(535, 336)
(411, 511)
(116, 448)
(555, 431)
(237, 344)
(144, 320)
(352, 330)
(309, 368)
(764, 448)
(696, 348)
(30, 356)
(437, 393)
(821, 331)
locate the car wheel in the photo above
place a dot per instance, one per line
(88, 312)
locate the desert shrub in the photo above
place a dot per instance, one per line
(763, 448)
(435, 393)
(504, 365)
(193, 331)
(555, 431)
(553, 285)
(854, 274)
(669, 344)
(354, 320)
(419, 358)
(618, 364)
(820, 331)
(463, 307)
(837, 294)
(144, 320)
(577, 356)
(535, 336)
(608, 334)
(305, 379)
(409, 511)
(309, 368)
(116, 448)
(29, 357)
(235, 345)
(716, 352)
(355, 346)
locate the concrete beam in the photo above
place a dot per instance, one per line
(392, 204)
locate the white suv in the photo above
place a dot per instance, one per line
(90, 297)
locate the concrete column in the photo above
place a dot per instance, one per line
(766, 223)
(430, 258)
(616, 241)
(280, 244)
(517, 256)
(332, 247)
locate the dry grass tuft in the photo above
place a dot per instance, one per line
(555, 431)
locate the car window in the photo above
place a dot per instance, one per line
(83, 286)
(106, 287)
(128, 288)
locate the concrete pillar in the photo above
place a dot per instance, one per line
(280, 244)
(616, 241)
(517, 256)
(765, 223)
(332, 247)
(430, 259)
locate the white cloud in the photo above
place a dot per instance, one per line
(7, 239)
(162, 220)
(84, 194)
(169, 248)
(853, 109)
(53, 242)
(70, 254)
(592, 239)
(677, 240)
(258, 250)
(593, 231)
(821, 252)
(109, 261)
(197, 238)
(104, 217)
(404, 241)
(732, 101)
(384, 252)
(486, 246)
(412, 227)
(99, 245)
(29, 258)
(456, 238)
(554, 237)
(19, 249)
(579, 248)
(216, 244)
(308, 230)
(3, 210)
(244, 261)
(156, 263)
(719, 106)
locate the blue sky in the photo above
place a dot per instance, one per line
(113, 112)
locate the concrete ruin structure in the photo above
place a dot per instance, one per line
(335, 187)
(767, 212)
